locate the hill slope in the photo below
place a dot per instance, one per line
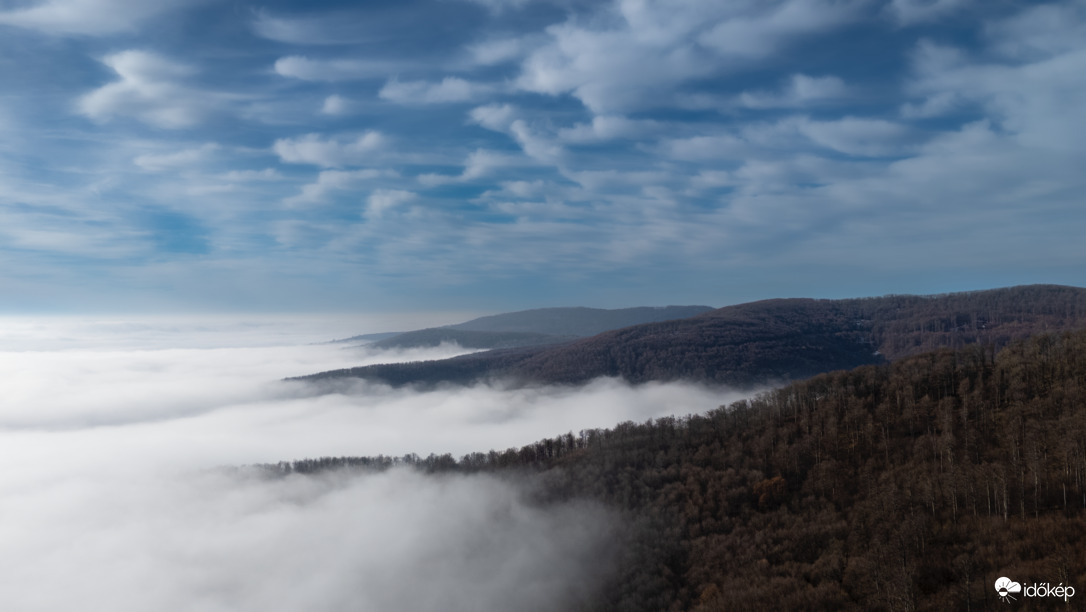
(904, 486)
(469, 338)
(535, 327)
(577, 321)
(766, 341)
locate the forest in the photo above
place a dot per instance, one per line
(759, 343)
(910, 485)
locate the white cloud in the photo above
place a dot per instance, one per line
(479, 163)
(382, 200)
(858, 136)
(450, 89)
(718, 147)
(327, 29)
(496, 117)
(300, 67)
(934, 105)
(217, 541)
(267, 174)
(636, 56)
(1036, 96)
(331, 181)
(330, 152)
(912, 12)
(500, 50)
(151, 89)
(536, 143)
(157, 162)
(500, 6)
(801, 90)
(89, 17)
(336, 105)
(609, 127)
(764, 32)
(118, 491)
(1039, 32)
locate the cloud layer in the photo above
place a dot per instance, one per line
(120, 498)
(664, 143)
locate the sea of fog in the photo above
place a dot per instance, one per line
(111, 433)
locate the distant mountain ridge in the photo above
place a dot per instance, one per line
(577, 321)
(536, 327)
(763, 342)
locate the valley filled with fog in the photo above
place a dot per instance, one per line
(113, 476)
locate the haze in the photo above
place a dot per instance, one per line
(112, 479)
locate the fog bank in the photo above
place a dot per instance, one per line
(111, 496)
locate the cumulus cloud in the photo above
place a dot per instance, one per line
(118, 498)
(330, 152)
(151, 89)
(479, 163)
(495, 117)
(89, 17)
(1032, 91)
(383, 200)
(331, 181)
(639, 59)
(765, 30)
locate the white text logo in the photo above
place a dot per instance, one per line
(1007, 589)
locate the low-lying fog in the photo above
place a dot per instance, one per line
(107, 499)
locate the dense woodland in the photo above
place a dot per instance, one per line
(763, 342)
(535, 327)
(577, 321)
(468, 339)
(903, 486)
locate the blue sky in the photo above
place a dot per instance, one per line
(200, 155)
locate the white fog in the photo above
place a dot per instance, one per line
(110, 484)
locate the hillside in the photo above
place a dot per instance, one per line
(468, 339)
(767, 341)
(574, 322)
(903, 486)
(531, 327)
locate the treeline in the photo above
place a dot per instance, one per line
(468, 339)
(763, 342)
(908, 486)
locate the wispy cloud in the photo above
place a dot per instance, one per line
(150, 88)
(708, 134)
(330, 152)
(89, 17)
(301, 67)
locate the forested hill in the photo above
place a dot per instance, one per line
(469, 339)
(537, 327)
(767, 341)
(577, 321)
(904, 486)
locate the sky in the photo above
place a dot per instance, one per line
(493, 155)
